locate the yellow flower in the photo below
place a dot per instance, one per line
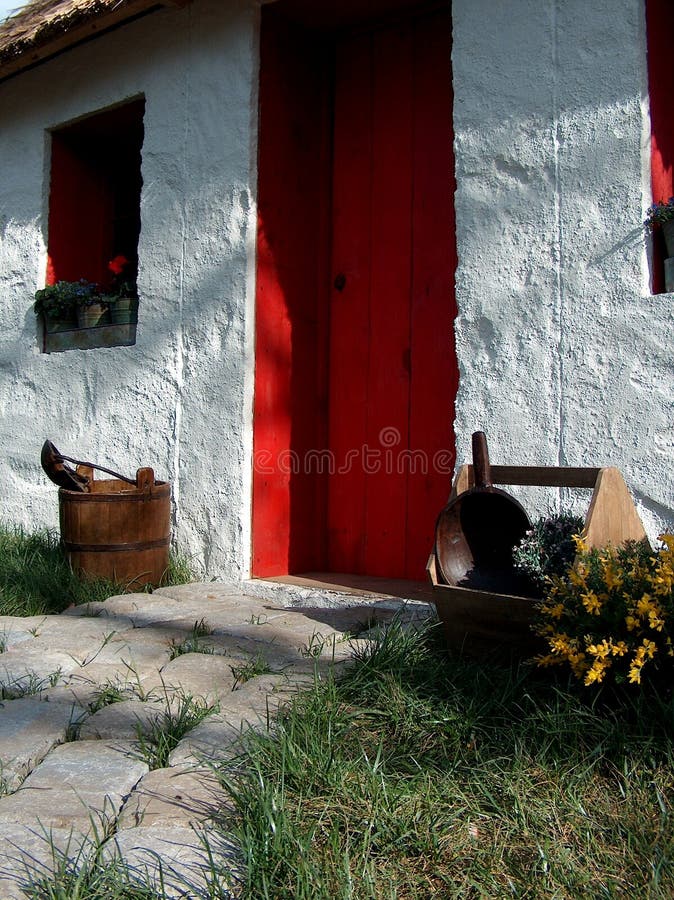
(655, 622)
(581, 546)
(634, 675)
(591, 602)
(650, 648)
(631, 623)
(601, 651)
(549, 660)
(619, 649)
(596, 671)
(559, 643)
(577, 575)
(662, 579)
(556, 611)
(668, 541)
(644, 605)
(578, 663)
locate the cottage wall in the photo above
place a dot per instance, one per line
(180, 399)
(565, 357)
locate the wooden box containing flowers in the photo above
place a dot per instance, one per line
(517, 598)
(84, 315)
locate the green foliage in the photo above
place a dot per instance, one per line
(111, 692)
(29, 684)
(548, 548)
(62, 299)
(611, 617)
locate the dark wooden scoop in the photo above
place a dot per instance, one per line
(54, 465)
(476, 532)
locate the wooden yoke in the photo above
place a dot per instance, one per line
(611, 517)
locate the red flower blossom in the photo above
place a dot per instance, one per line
(118, 264)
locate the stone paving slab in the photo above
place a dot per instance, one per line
(58, 630)
(172, 856)
(202, 675)
(97, 609)
(204, 592)
(180, 795)
(28, 852)
(81, 784)
(16, 629)
(29, 729)
(27, 670)
(136, 648)
(122, 721)
(96, 676)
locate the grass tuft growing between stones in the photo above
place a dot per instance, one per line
(157, 739)
(83, 871)
(417, 775)
(256, 665)
(36, 578)
(194, 643)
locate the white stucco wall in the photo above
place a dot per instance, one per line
(565, 358)
(180, 399)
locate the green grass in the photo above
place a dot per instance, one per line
(253, 667)
(83, 872)
(419, 775)
(193, 643)
(163, 734)
(90, 869)
(36, 578)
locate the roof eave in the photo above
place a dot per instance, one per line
(98, 24)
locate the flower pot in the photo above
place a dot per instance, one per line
(668, 232)
(92, 315)
(54, 322)
(124, 311)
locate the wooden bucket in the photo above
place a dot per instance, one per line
(117, 530)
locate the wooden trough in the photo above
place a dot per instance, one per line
(478, 622)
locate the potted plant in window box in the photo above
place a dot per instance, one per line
(661, 215)
(57, 304)
(122, 298)
(92, 310)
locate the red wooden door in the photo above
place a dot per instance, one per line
(393, 374)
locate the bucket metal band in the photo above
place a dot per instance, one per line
(95, 548)
(119, 497)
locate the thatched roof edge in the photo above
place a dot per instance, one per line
(45, 27)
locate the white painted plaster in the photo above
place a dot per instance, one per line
(565, 358)
(180, 399)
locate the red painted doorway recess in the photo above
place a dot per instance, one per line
(355, 365)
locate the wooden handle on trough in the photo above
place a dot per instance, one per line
(481, 466)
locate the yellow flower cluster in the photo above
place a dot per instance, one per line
(612, 612)
(647, 650)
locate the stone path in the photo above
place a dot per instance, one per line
(86, 695)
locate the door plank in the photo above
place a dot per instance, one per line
(389, 374)
(349, 315)
(434, 367)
